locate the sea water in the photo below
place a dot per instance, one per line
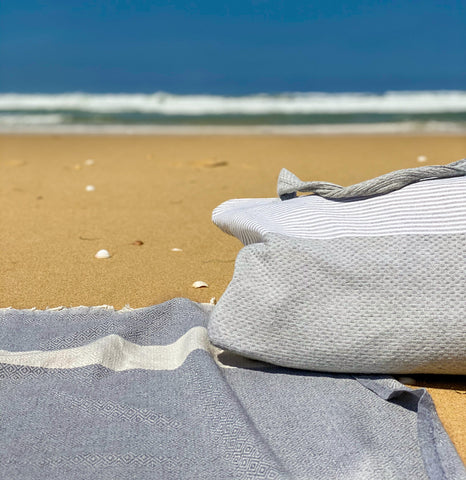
(311, 112)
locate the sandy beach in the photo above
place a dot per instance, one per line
(153, 194)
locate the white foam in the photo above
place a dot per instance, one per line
(408, 128)
(46, 119)
(289, 103)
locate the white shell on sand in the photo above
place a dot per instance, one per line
(422, 159)
(200, 284)
(407, 380)
(89, 162)
(176, 250)
(102, 254)
(90, 188)
(213, 301)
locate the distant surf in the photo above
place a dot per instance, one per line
(391, 112)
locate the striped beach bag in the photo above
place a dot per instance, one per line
(369, 278)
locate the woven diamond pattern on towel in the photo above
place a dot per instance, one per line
(110, 399)
(358, 304)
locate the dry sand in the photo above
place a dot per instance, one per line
(160, 191)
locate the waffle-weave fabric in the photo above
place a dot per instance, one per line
(371, 284)
(358, 304)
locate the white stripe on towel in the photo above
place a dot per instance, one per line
(116, 353)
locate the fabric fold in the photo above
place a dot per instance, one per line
(212, 416)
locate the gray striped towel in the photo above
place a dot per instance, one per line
(93, 393)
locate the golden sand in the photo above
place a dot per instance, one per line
(150, 208)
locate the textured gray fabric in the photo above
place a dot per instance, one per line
(289, 184)
(207, 417)
(366, 305)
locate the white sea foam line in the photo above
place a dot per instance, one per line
(415, 128)
(311, 102)
(116, 353)
(34, 120)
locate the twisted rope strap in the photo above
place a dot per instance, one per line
(289, 184)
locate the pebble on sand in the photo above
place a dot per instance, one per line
(176, 249)
(102, 254)
(210, 163)
(138, 243)
(200, 284)
(90, 188)
(89, 162)
(422, 159)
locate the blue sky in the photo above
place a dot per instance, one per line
(235, 47)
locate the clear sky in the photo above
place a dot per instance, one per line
(235, 47)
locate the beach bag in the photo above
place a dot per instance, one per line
(369, 278)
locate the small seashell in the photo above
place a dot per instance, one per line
(90, 188)
(102, 254)
(176, 250)
(138, 242)
(89, 162)
(200, 284)
(422, 159)
(407, 380)
(213, 301)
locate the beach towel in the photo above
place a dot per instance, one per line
(90, 393)
(363, 279)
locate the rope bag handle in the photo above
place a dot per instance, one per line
(289, 184)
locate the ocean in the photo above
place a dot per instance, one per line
(309, 112)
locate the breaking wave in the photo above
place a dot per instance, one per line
(420, 102)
